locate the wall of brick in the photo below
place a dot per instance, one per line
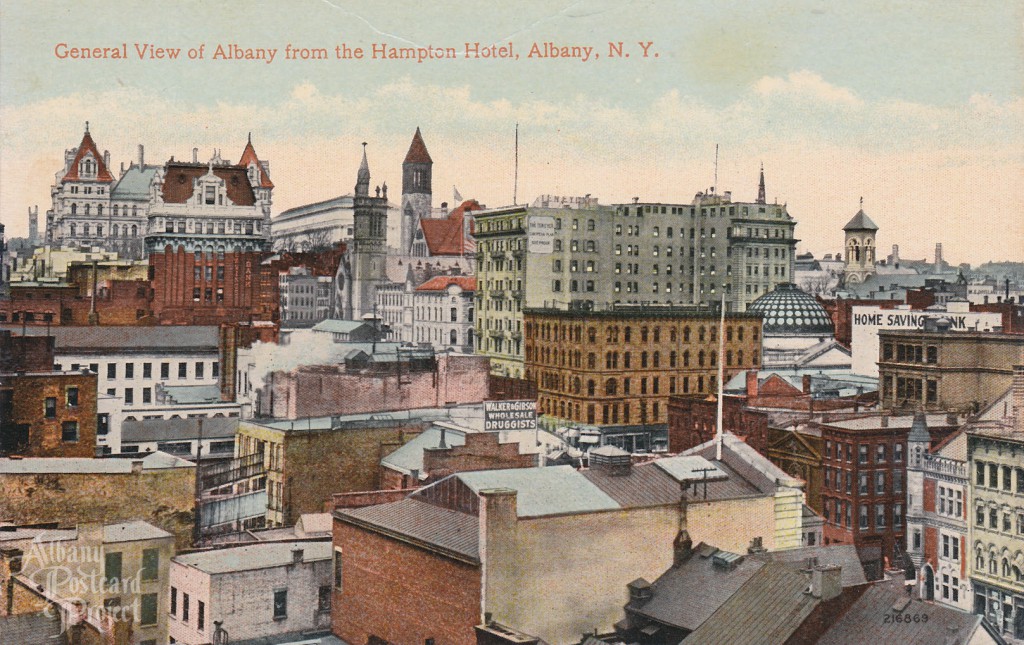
(482, 451)
(401, 593)
(28, 394)
(325, 391)
(164, 498)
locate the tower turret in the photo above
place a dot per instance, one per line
(416, 190)
(860, 247)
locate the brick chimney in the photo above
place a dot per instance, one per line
(751, 384)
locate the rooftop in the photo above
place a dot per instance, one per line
(902, 422)
(460, 414)
(177, 429)
(453, 532)
(553, 490)
(192, 394)
(137, 339)
(86, 465)
(252, 557)
(409, 457)
(789, 310)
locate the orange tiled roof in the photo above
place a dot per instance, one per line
(249, 156)
(442, 282)
(445, 236)
(88, 145)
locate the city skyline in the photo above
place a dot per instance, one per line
(919, 142)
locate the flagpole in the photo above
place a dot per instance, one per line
(721, 376)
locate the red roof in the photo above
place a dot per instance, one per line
(88, 145)
(442, 282)
(249, 156)
(179, 178)
(418, 150)
(445, 236)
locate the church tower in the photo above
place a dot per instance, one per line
(860, 247)
(416, 192)
(369, 243)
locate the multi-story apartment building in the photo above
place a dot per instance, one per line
(119, 573)
(639, 253)
(617, 368)
(864, 487)
(995, 497)
(938, 369)
(443, 311)
(306, 299)
(937, 537)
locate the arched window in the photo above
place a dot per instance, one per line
(686, 334)
(739, 357)
(591, 360)
(74, 209)
(88, 209)
(114, 210)
(114, 231)
(135, 230)
(72, 229)
(453, 337)
(686, 358)
(700, 358)
(591, 388)
(610, 387)
(627, 334)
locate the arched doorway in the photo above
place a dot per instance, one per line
(929, 583)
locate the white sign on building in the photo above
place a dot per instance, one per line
(510, 415)
(540, 234)
(866, 321)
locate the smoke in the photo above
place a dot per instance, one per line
(305, 347)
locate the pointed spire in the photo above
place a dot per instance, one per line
(760, 187)
(418, 150)
(87, 127)
(363, 177)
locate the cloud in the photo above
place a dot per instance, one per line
(920, 167)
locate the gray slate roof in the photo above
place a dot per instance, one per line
(863, 622)
(135, 183)
(860, 222)
(71, 465)
(133, 531)
(431, 525)
(168, 338)
(251, 557)
(767, 609)
(844, 555)
(177, 429)
(410, 456)
(554, 490)
(30, 629)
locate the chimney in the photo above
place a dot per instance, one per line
(142, 155)
(885, 421)
(938, 256)
(106, 158)
(826, 581)
(682, 548)
(951, 418)
(640, 591)
(1018, 391)
(752, 384)
(756, 546)
(137, 467)
(195, 155)
(807, 383)
(296, 556)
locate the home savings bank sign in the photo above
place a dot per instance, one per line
(510, 415)
(866, 321)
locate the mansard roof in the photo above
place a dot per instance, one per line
(179, 182)
(860, 222)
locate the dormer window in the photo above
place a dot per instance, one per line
(87, 167)
(210, 195)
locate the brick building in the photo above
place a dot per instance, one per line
(937, 515)
(617, 368)
(517, 546)
(864, 484)
(306, 461)
(117, 570)
(44, 412)
(157, 488)
(939, 369)
(443, 449)
(366, 382)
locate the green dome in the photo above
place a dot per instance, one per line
(788, 310)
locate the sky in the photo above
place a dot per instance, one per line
(917, 107)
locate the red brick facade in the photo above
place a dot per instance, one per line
(394, 592)
(482, 451)
(117, 302)
(230, 287)
(48, 414)
(692, 420)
